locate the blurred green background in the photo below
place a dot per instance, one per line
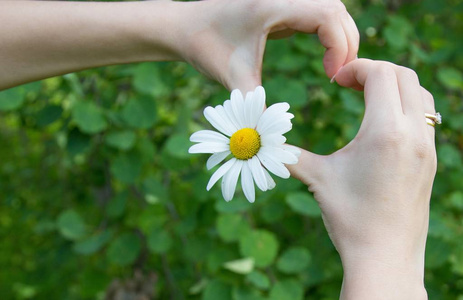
(99, 197)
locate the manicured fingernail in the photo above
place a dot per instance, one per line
(333, 78)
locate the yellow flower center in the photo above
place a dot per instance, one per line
(245, 143)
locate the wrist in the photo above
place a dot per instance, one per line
(383, 275)
(159, 30)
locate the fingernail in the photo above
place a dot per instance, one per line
(333, 78)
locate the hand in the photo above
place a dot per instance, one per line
(374, 193)
(228, 41)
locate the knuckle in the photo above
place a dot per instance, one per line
(424, 149)
(428, 96)
(408, 74)
(384, 70)
(333, 8)
(394, 137)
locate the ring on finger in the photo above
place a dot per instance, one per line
(433, 119)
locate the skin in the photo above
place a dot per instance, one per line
(374, 193)
(225, 40)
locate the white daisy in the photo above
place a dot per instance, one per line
(254, 138)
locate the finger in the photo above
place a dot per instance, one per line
(245, 76)
(410, 92)
(248, 85)
(353, 37)
(333, 38)
(309, 168)
(379, 81)
(428, 103)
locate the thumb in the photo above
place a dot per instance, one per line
(310, 169)
(245, 82)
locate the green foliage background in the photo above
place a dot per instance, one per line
(99, 196)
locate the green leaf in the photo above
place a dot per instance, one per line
(218, 256)
(303, 203)
(437, 252)
(287, 290)
(449, 156)
(351, 102)
(48, 115)
(294, 260)
(147, 80)
(77, 142)
(246, 293)
(177, 146)
(71, 225)
(140, 113)
(126, 167)
(261, 245)
(451, 78)
(457, 260)
(239, 204)
(154, 190)
(456, 200)
(273, 211)
(240, 266)
(198, 287)
(93, 243)
(231, 226)
(281, 89)
(397, 33)
(88, 117)
(159, 241)
(258, 279)
(216, 290)
(124, 250)
(122, 140)
(12, 99)
(116, 206)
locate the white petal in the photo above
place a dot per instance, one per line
(258, 173)
(248, 102)
(208, 136)
(294, 150)
(229, 111)
(237, 103)
(220, 172)
(273, 165)
(258, 104)
(216, 159)
(270, 182)
(208, 148)
(230, 180)
(272, 114)
(216, 120)
(247, 183)
(227, 118)
(277, 127)
(278, 154)
(272, 140)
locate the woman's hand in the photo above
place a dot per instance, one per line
(223, 39)
(374, 193)
(226, 39)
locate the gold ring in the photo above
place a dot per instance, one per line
(433, 119)
(430, 122)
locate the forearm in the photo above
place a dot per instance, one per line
(40, 39)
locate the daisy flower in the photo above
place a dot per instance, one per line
(253, 139)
